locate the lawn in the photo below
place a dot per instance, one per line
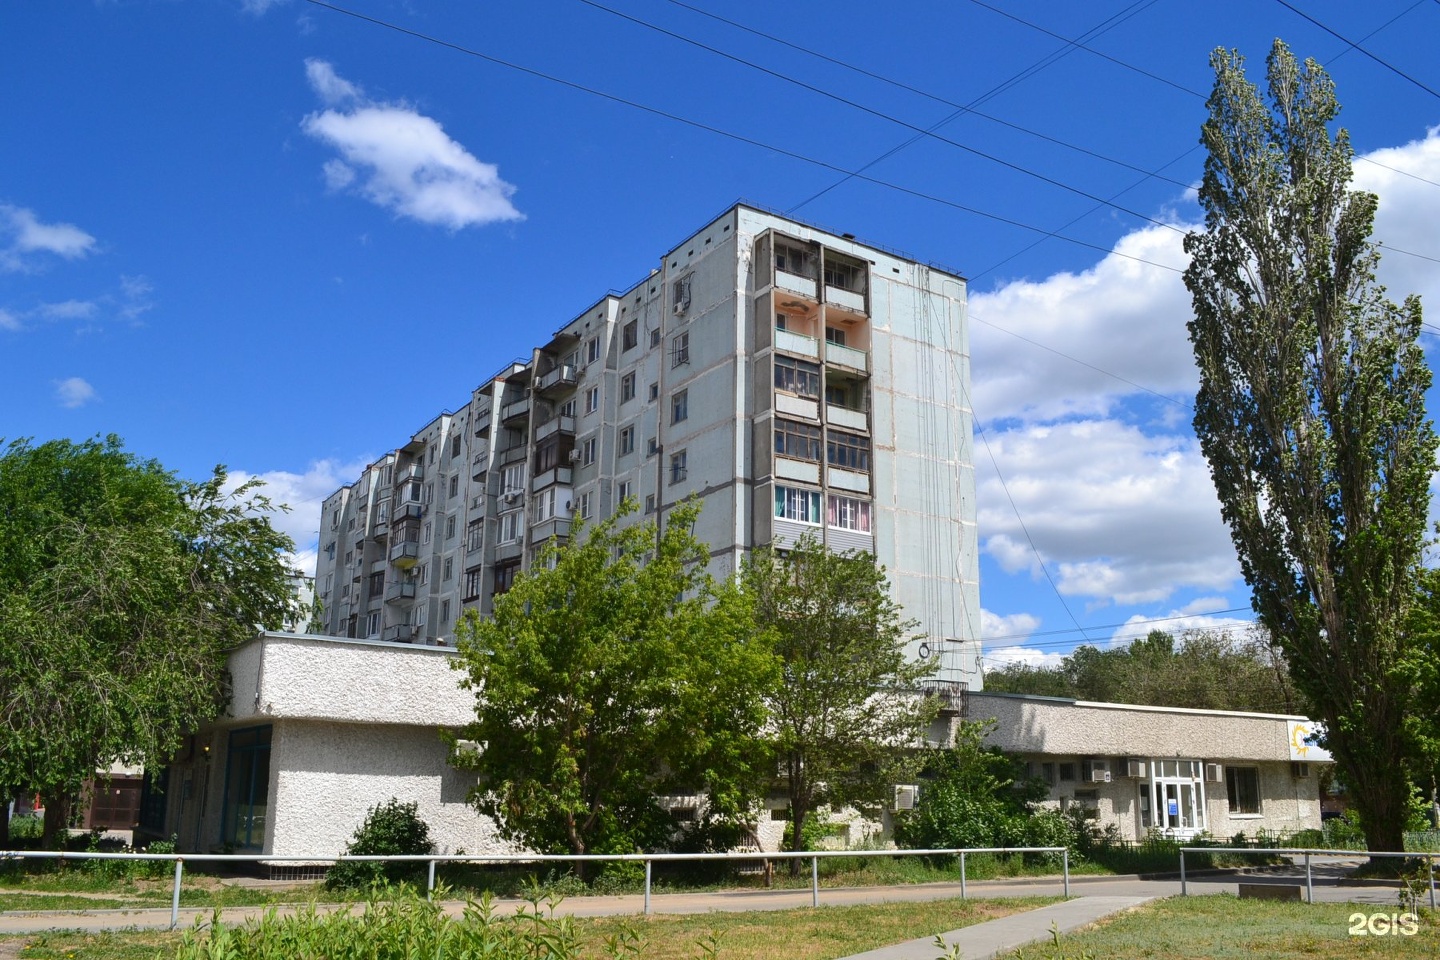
(1222, 927)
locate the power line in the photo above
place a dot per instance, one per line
(1112, 626)
(880, 114)
(718, 131)
(1356, 46)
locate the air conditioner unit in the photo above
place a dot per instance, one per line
(1135, 769)
(1300, 770)
(574, 456)
(1095, 771)
(1214, 773)
(1099, 776)
(511, 496)
(905, 795)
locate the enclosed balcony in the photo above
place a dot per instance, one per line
(561, 378)
(554, 528)
(400, 591)
(515, 412)
(405, 554)
(411, 471)
(847, 357)
(555, 425)
(406, 510)
(797, 343)
(551, 477)
(401, 633)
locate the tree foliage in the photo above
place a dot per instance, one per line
(1206, 670)
(122, 590)
(1311, 414)
(389, 829)
(613, 671)
(846, 716)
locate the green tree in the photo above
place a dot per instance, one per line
(615, 670)
(122, 590)
(847, 716)
(1204, 670)
(1311, 413)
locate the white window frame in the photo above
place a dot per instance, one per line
(798, 505)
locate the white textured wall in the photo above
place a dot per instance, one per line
(328, 775)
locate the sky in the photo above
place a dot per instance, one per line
(283, 235)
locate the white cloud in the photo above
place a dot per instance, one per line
(22, 235)
(73, 392)
(303, 493)
(8, 320)
(1123, 317)
(259, 7)
(67, 310)
(1004, 656)
(1405, 220)
(402, 160)
(1119, 516)
(1011, 627)
(1179, 623)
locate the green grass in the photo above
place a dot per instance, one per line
(1221, 927)
(58, 901)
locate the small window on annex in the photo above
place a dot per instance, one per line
(247, 788)
(1242, 784)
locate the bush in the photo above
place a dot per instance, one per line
(390, 829)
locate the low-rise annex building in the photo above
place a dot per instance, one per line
(1166, 770)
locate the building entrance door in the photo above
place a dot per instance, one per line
(1173, 800)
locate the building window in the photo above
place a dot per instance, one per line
(511, 526)
(444, 613)
(680, 406)
(677, 466)
(504, 578)
(450, 522)
(455, 447)
(652, 447)
(587, 455)
(512, 479)
(791, 259)
(247, 788)
(584, 506)
(422, 614)
(654, 392)
(1242, 785)
(649, 503)
(849, 513)
(801, 506)
(567, 409)
(472, 583)
(835, 335)
(1067, 771)
(627, 387)
(548, 505)
(592, 399)
(798, 440)
(423, 577)
(377, 583)
(449, 570)
(1147, 816)
(655, 337)
(622, 491)
(799, 377)
(680, 349)
(627, 440)
(426, 537)
(844, 276)
(474, 535)
(630, 335)
(454, 485)
(372, 624)
(681, 291)
(850, 451)
(592, 350)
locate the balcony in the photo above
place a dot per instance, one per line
(405, 554)
(400, 591)
(407, 510)
(846, 418)
(481, 418)
(411, 471)
(480, 462)
(562, 377)
(554, 528)
(515, 411)
(551, 477)
(561, 424)
(845, 299)
(509, 551)
(805, 286)
(847, 357)
(401, 633)
(515, 454)
(797, 343)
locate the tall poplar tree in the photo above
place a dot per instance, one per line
(1311, 412)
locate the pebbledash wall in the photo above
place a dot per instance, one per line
(319, 731)
(1165, 769)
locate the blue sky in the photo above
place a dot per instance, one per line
(276, 236)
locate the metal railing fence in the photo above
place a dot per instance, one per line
(648, 859)
(1308, 852)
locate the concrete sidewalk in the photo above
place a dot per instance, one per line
(996, 937)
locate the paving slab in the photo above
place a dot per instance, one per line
(993, 938)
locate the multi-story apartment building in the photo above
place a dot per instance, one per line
(793, 380)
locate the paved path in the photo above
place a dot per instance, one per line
(995, 937)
